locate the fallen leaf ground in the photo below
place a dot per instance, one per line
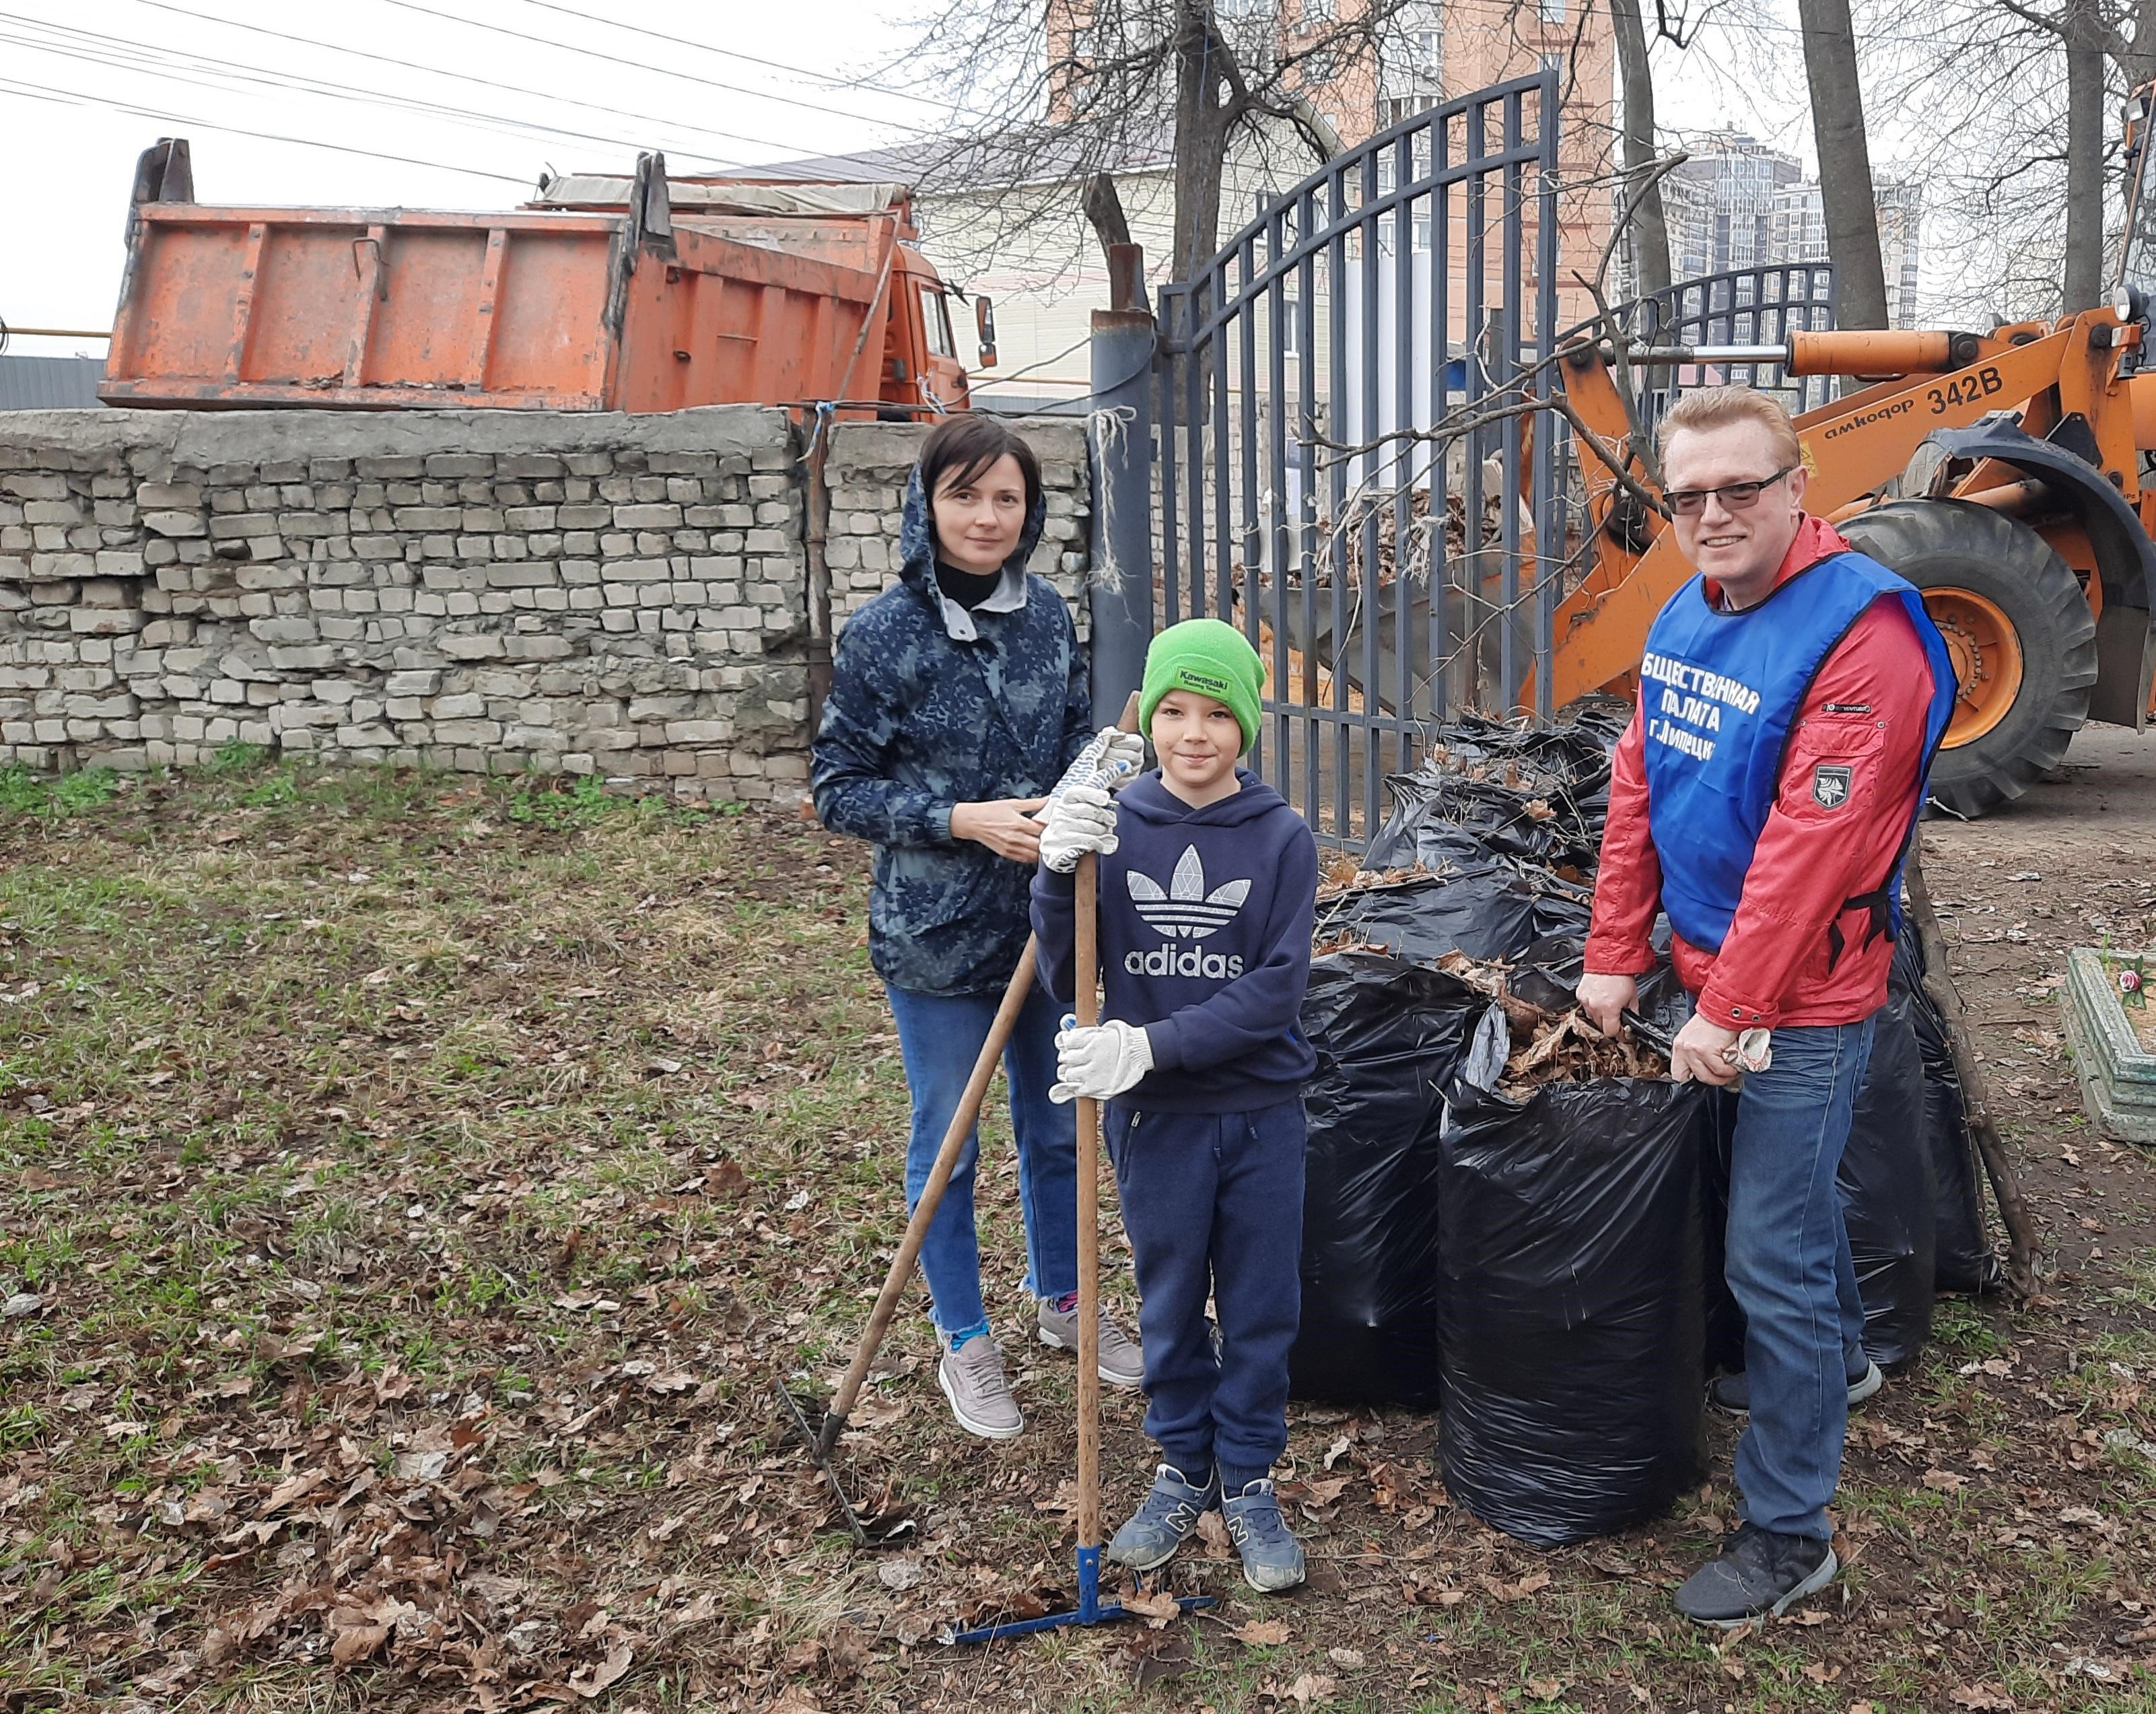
(413, 1190)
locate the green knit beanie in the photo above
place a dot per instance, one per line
(1214, 660)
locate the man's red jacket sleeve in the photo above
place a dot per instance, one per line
(1628, 882)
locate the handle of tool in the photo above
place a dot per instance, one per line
(1088, 1011)
(1086, 946)
(962, 1119)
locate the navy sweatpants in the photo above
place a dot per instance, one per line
(1213, 1202)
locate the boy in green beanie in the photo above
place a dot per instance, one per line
(1208, 884)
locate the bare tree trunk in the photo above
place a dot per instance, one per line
(2081, 279)
(1844, 162)
(1104, 210)
(1202, 116)
(1649, 239)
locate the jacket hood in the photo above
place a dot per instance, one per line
(1149, 800)
(917, 539)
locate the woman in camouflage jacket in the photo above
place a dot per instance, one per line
(959, 697)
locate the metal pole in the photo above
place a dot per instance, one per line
(1120, 600)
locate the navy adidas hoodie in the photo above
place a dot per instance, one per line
(1205, 922)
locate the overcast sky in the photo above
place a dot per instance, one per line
(462, 105)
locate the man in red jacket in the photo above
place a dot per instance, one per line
(1763, 797)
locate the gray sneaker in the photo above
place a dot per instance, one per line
(1734, 1393)
(971, 1378)
(1121, 1362)
(1272, 1557)
(1163, 1518)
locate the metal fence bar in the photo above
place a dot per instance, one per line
(1509, 671)
(1252, 554)
(1552, 546)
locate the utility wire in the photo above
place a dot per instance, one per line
(78, 98)
(822, 78)
(676, 125)
(642, 65)
(122, 55)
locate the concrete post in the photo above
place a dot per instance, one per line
(1121, 600)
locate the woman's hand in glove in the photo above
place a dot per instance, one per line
(1082, 819)
(1100, 1061)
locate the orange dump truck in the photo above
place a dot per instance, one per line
(606, 294)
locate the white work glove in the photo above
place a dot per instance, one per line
(1082, 819)
(1111, 758)
(1754, 1051)
(1100, 1061)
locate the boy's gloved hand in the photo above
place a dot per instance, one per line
(1100, 1061)
(1111, 758)
(1082, 819)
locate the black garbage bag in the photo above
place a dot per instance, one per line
(1570, 1312)
(1486, 910)
(1725, 1321)
(1966, 1262)
(1888, 1198)
(1433, 816)
(1537, 793)
(1387, 1035)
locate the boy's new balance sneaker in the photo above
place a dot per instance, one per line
(1272, 1557)
(971, 1378)
(1167, 1514)
(1760, 1571)
(1121, 1363)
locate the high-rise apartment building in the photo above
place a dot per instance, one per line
(1737, 204)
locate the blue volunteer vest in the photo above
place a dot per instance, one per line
(1718, 693)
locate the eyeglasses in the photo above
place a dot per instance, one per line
(1735, 496)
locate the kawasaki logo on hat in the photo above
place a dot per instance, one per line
(1205, 684)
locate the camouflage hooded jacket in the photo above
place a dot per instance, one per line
(918, 721)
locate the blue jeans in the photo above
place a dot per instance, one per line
(1789, 1267)
(1212, 1204)
(939, 1038)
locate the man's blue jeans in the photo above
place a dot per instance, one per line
(1789, 1267)
(939, 1038)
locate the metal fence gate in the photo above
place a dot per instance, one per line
(1347, 470)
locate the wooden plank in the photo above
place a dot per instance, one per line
(373, 287)
(242, 301)
(489, 289)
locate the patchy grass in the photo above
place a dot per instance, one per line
(414, 1189)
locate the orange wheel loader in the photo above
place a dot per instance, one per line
(2033, 537)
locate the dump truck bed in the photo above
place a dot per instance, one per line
(534, 309)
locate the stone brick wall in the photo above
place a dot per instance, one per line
(867, 474)
(483, 590)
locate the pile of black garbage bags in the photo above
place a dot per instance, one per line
(1546, 1269)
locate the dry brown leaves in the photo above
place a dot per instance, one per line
(1554, 1047)
(1339, 874)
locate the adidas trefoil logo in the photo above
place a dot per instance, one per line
(1186, 910)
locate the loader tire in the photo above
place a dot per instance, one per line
(2019, 628)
